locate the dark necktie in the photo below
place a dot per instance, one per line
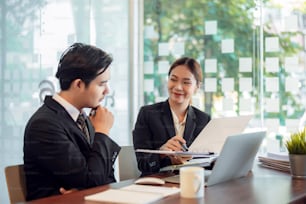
(82, 124)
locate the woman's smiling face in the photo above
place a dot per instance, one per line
(182, 85)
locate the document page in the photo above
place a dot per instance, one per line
(214, 134)
(178, 153)
(165, 191)
(203, 162)
(133, 194)
(124, 196)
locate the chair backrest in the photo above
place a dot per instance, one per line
(127, 163)
(15, 181)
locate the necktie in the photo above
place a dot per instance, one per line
(81, 121)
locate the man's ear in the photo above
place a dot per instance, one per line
(77, 83)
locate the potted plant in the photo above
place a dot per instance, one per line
(296, 146)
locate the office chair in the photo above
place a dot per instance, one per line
(15, 181)
(127, 163)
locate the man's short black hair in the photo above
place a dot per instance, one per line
(81, 61)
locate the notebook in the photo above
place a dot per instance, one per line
(133, 194)
(213, 136)
(235, 160)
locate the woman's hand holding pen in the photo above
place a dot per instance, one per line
(102, 120)
(176, 143)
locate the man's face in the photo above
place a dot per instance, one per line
(96, 90)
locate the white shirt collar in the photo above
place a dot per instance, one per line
(179, 127)
(72, 111)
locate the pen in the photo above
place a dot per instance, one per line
(185, 148)
(93, 111)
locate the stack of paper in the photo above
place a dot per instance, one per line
(277, 161)
(203, 159)
(178, 153)
(133, 194)
(203, 162)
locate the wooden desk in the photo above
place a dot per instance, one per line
(263, 186)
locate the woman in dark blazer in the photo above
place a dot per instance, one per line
(169, 124)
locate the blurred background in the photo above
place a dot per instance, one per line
(252, 54)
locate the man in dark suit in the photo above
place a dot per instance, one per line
(172, 124)
(64, 148)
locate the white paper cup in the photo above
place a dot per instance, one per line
(192, 182)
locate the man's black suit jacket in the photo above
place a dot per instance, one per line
(154, 127)
(57, 154)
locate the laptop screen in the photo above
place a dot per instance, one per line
(237, 157)
(235, 160)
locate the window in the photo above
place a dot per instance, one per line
(33, 36)
(252, 54)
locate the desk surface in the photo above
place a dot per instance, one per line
(262, 186)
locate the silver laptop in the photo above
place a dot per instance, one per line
(235, 160)
(213, 136)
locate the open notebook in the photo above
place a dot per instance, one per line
(235, 160)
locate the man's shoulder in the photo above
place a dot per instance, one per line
(43, 115)
(47, 114)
